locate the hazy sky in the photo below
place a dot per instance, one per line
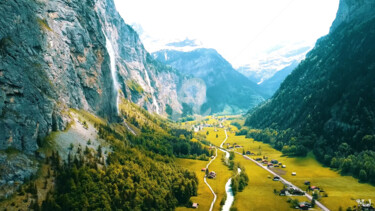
(241, 30)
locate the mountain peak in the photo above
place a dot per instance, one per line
(185, 43)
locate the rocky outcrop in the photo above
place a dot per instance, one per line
(54, 56)
(354, 11)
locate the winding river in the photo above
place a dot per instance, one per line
(228, 189)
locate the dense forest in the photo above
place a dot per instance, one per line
(138, 174)
(327, 104)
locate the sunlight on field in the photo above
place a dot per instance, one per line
(205, 196)
(211, 137)
(222, 176)
(259, 194)
(342, 190)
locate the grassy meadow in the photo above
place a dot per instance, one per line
(259, 194)
(205, 196)
(342, 190)
(222, 176)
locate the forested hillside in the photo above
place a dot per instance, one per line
(327, 103)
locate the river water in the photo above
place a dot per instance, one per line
(230, 196)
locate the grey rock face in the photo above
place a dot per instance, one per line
(15, 168)
(354, 10)
(53, 57)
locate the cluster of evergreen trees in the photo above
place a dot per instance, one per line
(138, 174)
(131, 180)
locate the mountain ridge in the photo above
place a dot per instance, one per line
(220, 79)
(327, 102)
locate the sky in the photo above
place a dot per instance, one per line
(245, 32)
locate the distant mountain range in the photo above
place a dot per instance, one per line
(271, 85)
(227, 91)
(276, 59)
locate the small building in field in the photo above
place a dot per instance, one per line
(274, 162)
(283, 166)
(212, 175)
(304, 205)
(307, 183)
(203, 169)
(314, 188)
(276, 178)
(195, 205)
(294, 174)
(283, 192)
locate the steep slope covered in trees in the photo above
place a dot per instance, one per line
(328, 101)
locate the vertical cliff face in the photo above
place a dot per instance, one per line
(141, 78)
(354, 11)
(54, 55)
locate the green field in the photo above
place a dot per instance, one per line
(222, 176)
(211, 137)
(342, 190)
(205, 196)
(259, 194)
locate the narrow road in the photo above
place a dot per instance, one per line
(286, 182)
(205, 181)
(205, 177)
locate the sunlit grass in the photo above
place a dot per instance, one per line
(222, 176)
(205, 196)
(342, 190)
(259, 194)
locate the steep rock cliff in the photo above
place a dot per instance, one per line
(54, 56)
(62, 54)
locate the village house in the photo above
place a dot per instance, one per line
(212, 175)
(274, 162)
(195, 205)
(304, 205)
(314, 188)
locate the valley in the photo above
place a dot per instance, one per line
(92, 119)
(336, 191)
